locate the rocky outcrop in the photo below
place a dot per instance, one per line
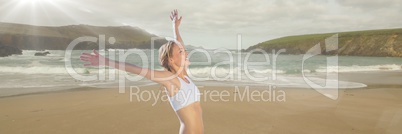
(8, 50)
(41, 53)
(29, 37)
(359, 43)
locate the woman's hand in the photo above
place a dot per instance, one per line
(174, 16)
(94, 60)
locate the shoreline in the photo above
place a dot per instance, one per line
(343, 76)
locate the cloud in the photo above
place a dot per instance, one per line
(370, 4)
(215, 23)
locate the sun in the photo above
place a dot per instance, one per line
(38, 12)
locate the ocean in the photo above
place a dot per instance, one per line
(26, 73)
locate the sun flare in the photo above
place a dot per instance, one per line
(41, 12)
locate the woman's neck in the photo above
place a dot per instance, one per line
(181, 74)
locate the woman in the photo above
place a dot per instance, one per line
(184, 96)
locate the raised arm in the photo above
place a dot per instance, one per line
(176, 20)
(96, 59)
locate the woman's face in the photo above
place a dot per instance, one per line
(179, 56)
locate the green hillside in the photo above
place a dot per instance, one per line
(57, 38)
(384, 42)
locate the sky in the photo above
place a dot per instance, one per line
(212, 23)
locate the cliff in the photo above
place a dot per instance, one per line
(385, 42)
(8, 50)
(57, 38)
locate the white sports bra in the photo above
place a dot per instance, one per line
(187, 94)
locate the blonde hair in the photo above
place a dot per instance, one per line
(165, 52)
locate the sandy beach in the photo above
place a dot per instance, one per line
(376, 109)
